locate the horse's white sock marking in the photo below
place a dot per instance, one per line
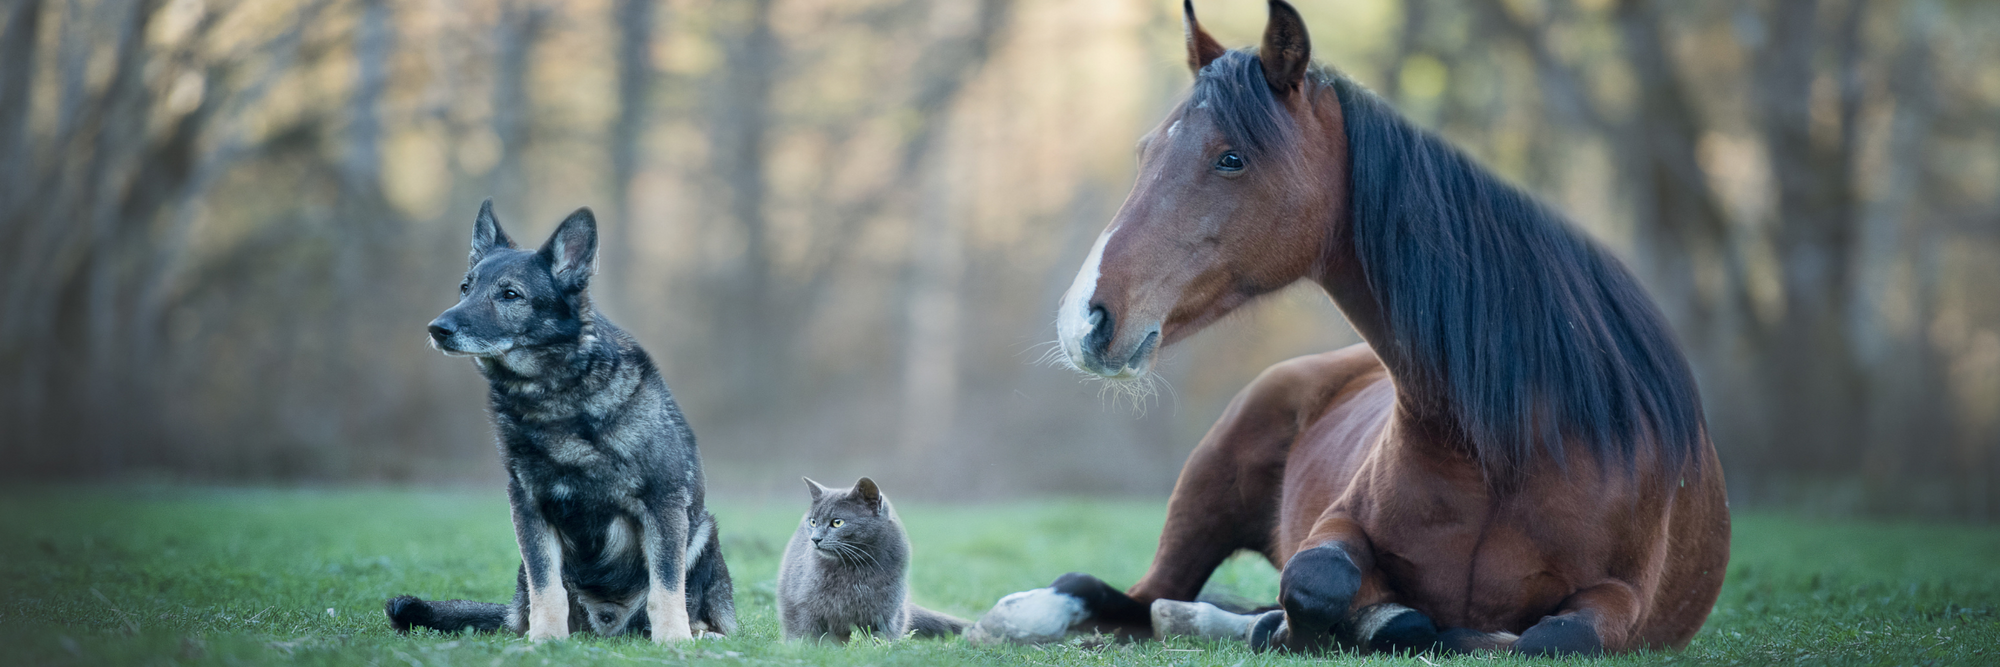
(1199, 619)
(1028, 617)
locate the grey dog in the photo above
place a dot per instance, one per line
(602, 470)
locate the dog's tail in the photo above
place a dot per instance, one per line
(927, 623)
(446, 616)
(710, 595)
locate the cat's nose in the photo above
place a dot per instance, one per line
(816, 540)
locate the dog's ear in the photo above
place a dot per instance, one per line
(869, 494)
(572, 250)
(815, 488)
(487, 235)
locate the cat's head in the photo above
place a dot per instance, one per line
(856, 525)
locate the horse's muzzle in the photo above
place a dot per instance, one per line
(1097, 353)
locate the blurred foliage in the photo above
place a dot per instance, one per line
(841, 226)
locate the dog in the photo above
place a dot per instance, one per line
(602, 471)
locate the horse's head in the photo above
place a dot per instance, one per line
(1235, 190)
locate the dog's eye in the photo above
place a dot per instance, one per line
(836, 523)
(1230, 161)
(509, 295)
(465, 287)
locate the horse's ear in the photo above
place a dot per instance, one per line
(869, 493)
(486, 234)
(572, 250)
(815, 488)
(1202, 49)
(1286, 50)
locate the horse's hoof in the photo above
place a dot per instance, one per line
(1560, 636)
(1394, 628)
(1266, 631)
(1316, 588)
(1040, 616)
(1198, 619)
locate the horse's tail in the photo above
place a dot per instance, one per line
(927, 623)
(408, 611)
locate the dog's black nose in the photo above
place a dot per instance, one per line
(440, 332)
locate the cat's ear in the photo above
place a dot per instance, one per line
(869, 493)
(815, 488)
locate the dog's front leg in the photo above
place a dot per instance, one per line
(541, 556)
(666, 525)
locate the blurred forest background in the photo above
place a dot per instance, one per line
(842, 226)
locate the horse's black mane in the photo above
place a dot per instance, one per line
(1500, 314)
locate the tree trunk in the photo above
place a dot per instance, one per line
(628, 136)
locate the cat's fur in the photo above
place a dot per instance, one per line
(855, 576)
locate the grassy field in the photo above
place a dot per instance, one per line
(180, 576)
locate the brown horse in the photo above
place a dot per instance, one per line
(1516, 458)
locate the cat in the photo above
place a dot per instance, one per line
(847, 568)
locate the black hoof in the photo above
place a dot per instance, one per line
(405, 611)
(1560, 636)
(1265, 629)
(1315, 589)
(1408, 630)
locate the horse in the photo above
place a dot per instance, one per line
(1514, 458)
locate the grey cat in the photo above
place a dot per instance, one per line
(847, 568)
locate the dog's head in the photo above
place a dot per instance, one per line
(513, 299)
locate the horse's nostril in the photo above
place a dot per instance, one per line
(440, 331)
(1098, 341)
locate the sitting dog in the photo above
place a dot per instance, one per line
(602, 471)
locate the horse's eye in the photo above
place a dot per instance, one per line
(1229, 161)
(836, 523)
(509, 295)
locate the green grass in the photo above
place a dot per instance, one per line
(191, 576)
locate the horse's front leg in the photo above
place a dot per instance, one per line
(1317, 593)
(1588, 622)
(1225, 500)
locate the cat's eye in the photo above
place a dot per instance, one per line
(836, 523)
(812, 522)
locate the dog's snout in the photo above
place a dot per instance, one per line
(440, 330)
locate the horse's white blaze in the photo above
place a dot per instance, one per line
(1073, 320)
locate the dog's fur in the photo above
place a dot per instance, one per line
(602, 471)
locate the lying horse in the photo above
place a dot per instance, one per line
(1515, 459)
